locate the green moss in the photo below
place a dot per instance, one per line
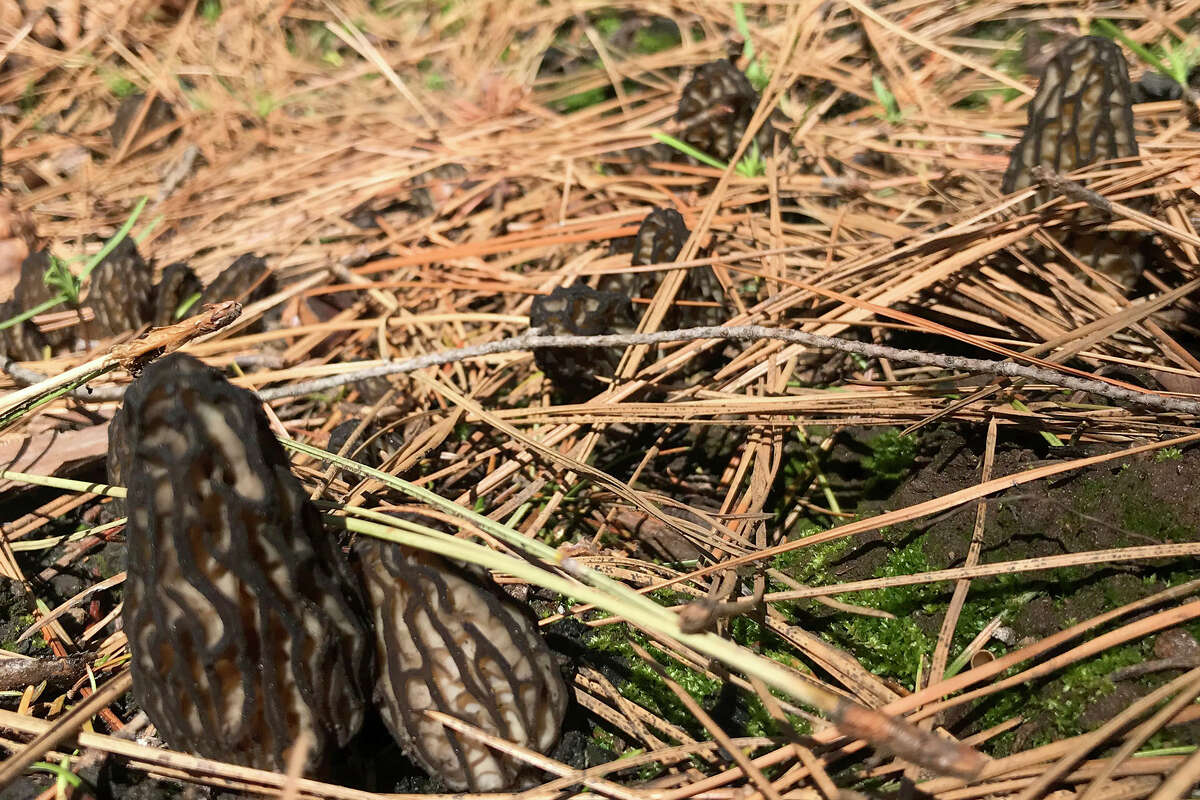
(1140, 511)
(1057, 702)
(120, 86)
(607, 24)
(645, 688)
(434, 81)
(811, 564)
(892, 455)
(655, 40)
(583, 99)
(892, 647)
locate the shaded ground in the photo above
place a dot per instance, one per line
(1124, 503)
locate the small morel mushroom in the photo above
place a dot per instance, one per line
(158, 115)
(659, 239)
(433, 189)
(715, 109)
(247, 279)
(122, 291)
(244, 624)
(450, 640)
(177, 286)
(580, 310)
(24, 341)
(1082, 113)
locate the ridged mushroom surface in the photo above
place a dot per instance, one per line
(659, 239)
(1082, 113)
(449, 639)
(24, 342)
(122, 291)
(177, 284)
(244, 624)
(715, 109)
(247, 280)
(580, 310)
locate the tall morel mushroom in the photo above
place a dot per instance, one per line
(1082, 113)
(449, 639)
(244, 624)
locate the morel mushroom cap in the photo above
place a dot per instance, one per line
(177, 285)
(122, 290)
(24, 340)
(244, 624)
(449, 639)
(580, 310)
(659, 239)
(158, 115)
(715, 108)
(1082, 113)
(248, 279)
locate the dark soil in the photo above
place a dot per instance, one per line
(1123, 503)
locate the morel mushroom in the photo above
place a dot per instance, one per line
(177, 286)
(160, 114)
(449, 639)
(244, 624)
(715, 109)
(122, 290)
(1082, 113)
(580, 310)
(25, 341)
(659, 239)
(248, 279)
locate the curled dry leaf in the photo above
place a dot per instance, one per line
(133, 356)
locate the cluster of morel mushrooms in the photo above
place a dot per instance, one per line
(247, 623)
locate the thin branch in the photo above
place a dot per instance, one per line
(533, 340)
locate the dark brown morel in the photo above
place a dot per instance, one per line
(1082, 113)
(176, 295)
(122, 291)
(580, 311)
(449, 639)
(244, 624)
(433, 189)
(158, 115)
(247, 280)
(659, 239)
(23, 341)
(715, 109)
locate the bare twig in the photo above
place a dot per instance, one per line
(534, 340)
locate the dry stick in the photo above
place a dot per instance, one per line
(941, 652)
(18, 672)
(534, 340)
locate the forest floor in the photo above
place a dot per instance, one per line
(1007, 560)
